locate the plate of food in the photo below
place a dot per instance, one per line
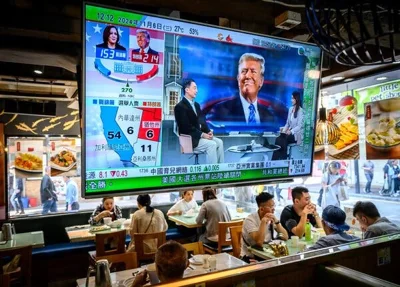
(64, 160)
(383, 133)
(99, 228)
(29, 162)
(348, 137)
(277, 248)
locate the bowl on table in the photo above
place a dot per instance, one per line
(115, 224)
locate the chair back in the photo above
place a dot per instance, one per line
(128, 259)
(116, 240)
(222, 232)
(236, 236)
(140, 238)
(194, 248)
(186, 143)
(24, 270)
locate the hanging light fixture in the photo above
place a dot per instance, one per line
(354, 32)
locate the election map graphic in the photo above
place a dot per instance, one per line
(124, 88)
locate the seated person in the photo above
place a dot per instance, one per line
(146, 219)
(171, 261)
(371, 221)
(258, 228)
(184, 205)
(334, 225)
(293, 131)
(213, 211)
(294, 217)
(106, 209)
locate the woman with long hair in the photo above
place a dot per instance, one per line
(331, 182)
(111, 39)
(146, 219)
(107, 208)
(293, 131)
(212, 211)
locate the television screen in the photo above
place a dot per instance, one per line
(170, 104)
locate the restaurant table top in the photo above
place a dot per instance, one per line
(125, 278)
(35, 239)
(189, 221)
(82, 232)
(293, 250)
(269, 255)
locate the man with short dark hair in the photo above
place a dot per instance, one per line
(371, 221)
(171, 261)
(191, 121)
(294, 217)
(335, 227)
(48, 194)
(258, 227)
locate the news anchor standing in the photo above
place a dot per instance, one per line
(143, 41)
(245, 107)
(293, 131)
(191, 121)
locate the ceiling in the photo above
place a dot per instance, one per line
(363, 82)
(46, 35)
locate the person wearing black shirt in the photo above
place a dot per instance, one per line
(294, 217)
(48, 194)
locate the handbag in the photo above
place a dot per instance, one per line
(343, 192)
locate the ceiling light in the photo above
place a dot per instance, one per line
(39, 72)
(348, 80)
(381, 78)
(337, 78)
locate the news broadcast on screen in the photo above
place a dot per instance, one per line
(170, 104)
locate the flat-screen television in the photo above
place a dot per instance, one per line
(170, 104)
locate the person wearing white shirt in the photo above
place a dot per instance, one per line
(293, 131)
(184, 205)
(331, 182)
(258, 227)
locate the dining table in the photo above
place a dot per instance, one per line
(125, 278)
(189, 220)
(34, 238)
(302, 246)
(79, 233)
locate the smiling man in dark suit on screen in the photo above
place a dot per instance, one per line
(143, 41)
(245, 107)
(190, 121)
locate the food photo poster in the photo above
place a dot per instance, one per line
(63, 157)
(28, 158)
(382, 129)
